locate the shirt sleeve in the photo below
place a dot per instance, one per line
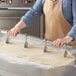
(72, 32)
(34, 13)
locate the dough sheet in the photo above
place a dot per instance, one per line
(35, 54)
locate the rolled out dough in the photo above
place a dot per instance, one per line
(35, 54)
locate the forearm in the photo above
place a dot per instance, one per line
(72, 32)
(33, 14)
(20, 25)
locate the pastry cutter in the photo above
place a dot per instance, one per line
(7, 39)
(26, 43)
(65, 50)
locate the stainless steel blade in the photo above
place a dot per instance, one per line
(65, 52)
(26, 43)
(45, 46)
(7, 39)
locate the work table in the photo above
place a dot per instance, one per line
(19, 67)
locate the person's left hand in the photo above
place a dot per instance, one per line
(62, 41)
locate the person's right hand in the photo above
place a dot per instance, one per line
(14, 31)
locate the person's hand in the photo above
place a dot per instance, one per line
(14, 31)
(62, 41)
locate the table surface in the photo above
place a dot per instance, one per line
(23, 67)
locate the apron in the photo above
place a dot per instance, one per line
(56, 25)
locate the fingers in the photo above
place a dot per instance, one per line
(62, 41)
(13, 32)
(59, 42)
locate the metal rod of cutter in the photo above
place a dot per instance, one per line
(7, 39)
(26, 43)
(45, 46)
(65, 52)
(26, 37)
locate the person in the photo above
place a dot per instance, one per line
(60, 20)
